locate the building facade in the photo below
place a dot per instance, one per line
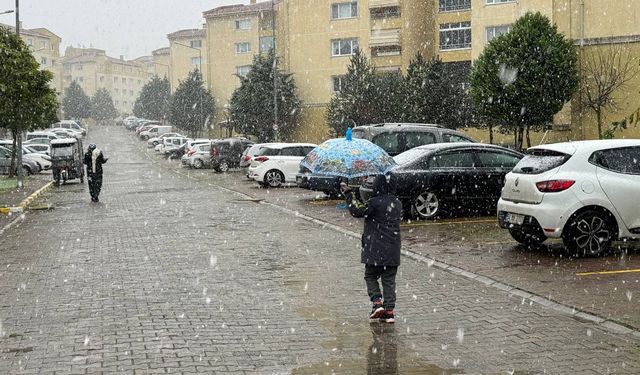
(238, 33)
(187, 51)
(45, 47)
(162, 62)
(92, 69)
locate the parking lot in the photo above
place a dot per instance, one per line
(607, 286)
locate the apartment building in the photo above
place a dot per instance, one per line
(595, 25)
(92, 69)
(238, 33)
(45, 47)
(162, 62)
(315, 40)
(187, 51)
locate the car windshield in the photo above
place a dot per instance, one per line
(62, 151)
(267, 151)
(538, 161)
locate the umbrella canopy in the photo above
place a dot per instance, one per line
(348, 157)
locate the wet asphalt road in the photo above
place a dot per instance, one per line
(175, 274)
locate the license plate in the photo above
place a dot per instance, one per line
(514, 219)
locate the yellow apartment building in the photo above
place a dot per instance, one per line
(162, 62)
(316, 38)
(92, 69)
(45, 47)
(187, 51)
(237, 33)
(593, 25)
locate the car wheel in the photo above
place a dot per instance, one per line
(274, 178)
(155, 143)
(427, 205)
(198, 164)
(223, 166)
(527, 238)
(25, 170)
(589, 233)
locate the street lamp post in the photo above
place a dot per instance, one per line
(201, 74)
(275, 72)
(19, 175)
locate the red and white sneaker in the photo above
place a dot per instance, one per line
(377, 310)
(388, 317)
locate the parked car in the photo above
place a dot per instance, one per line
(327, 184)
(437, 179)
(41, 134)
(42, 161)
(39, 148)
(250, 152)
(199, 156)
(154, 141)
(396, 138)
(278, 163)
(585, 193)
(154, 131)
(38, 141)
(188, 146)
(171, 145)
(67, 133)
(28, 166)
(225, 153)
(69, 124)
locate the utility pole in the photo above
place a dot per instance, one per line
(275, 72)
(19, 176)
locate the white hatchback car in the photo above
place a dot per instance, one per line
(583, 192)
(278, 163)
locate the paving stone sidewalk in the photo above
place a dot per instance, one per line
(168, 275)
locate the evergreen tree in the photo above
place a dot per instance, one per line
(434, 94)
(355, 104)
(102, 106)
(251, 106)
(525, 76)
(390, 96)
(27, 100)
(192, 106)
(76, 104)
(154, 100)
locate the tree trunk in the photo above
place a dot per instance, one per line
(519, 138)
(490, 134)
(528, 138)
(599, 117)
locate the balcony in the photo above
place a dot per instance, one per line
(381, 9)
(385, 42)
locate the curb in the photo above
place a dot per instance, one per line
(27, 201)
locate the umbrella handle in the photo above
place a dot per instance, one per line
(348, 135)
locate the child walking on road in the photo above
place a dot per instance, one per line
(380, 245)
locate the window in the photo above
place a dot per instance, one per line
(291, 151)
(388, 142)
(338, 83)
(455, 35)
(81, 79)
(385, 12)
(43, 60)
(117, 91)
(495, 31)
(243, 24)
(196, 43)
(415, 139)
(540, 161)
(131, 92)
(500, 1)
(453, 5)
(196, 61)
(30, 42)
(124, 80)
(493, 159)
(462, 159)
(266, 44)
(79, 67)
(448, 137)
(131, 81)
(43, 44)
(624, 160)
(139, 81)
(244, 47)
(344, 10)
(115, 79)
(344, 47)
(101, 78)
(117, 102)
(242, 71)
(386, 51)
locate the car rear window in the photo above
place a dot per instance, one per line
(408, 156)
(539, 161)
(268, 152)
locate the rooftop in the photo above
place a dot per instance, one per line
(188, 33)
(161, 51)
(237, 9)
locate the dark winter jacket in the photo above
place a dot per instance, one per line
(89, 163)
(382, 215)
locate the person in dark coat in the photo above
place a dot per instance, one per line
(93, 159)
(380, 244)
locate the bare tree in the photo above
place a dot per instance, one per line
(605, 71)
